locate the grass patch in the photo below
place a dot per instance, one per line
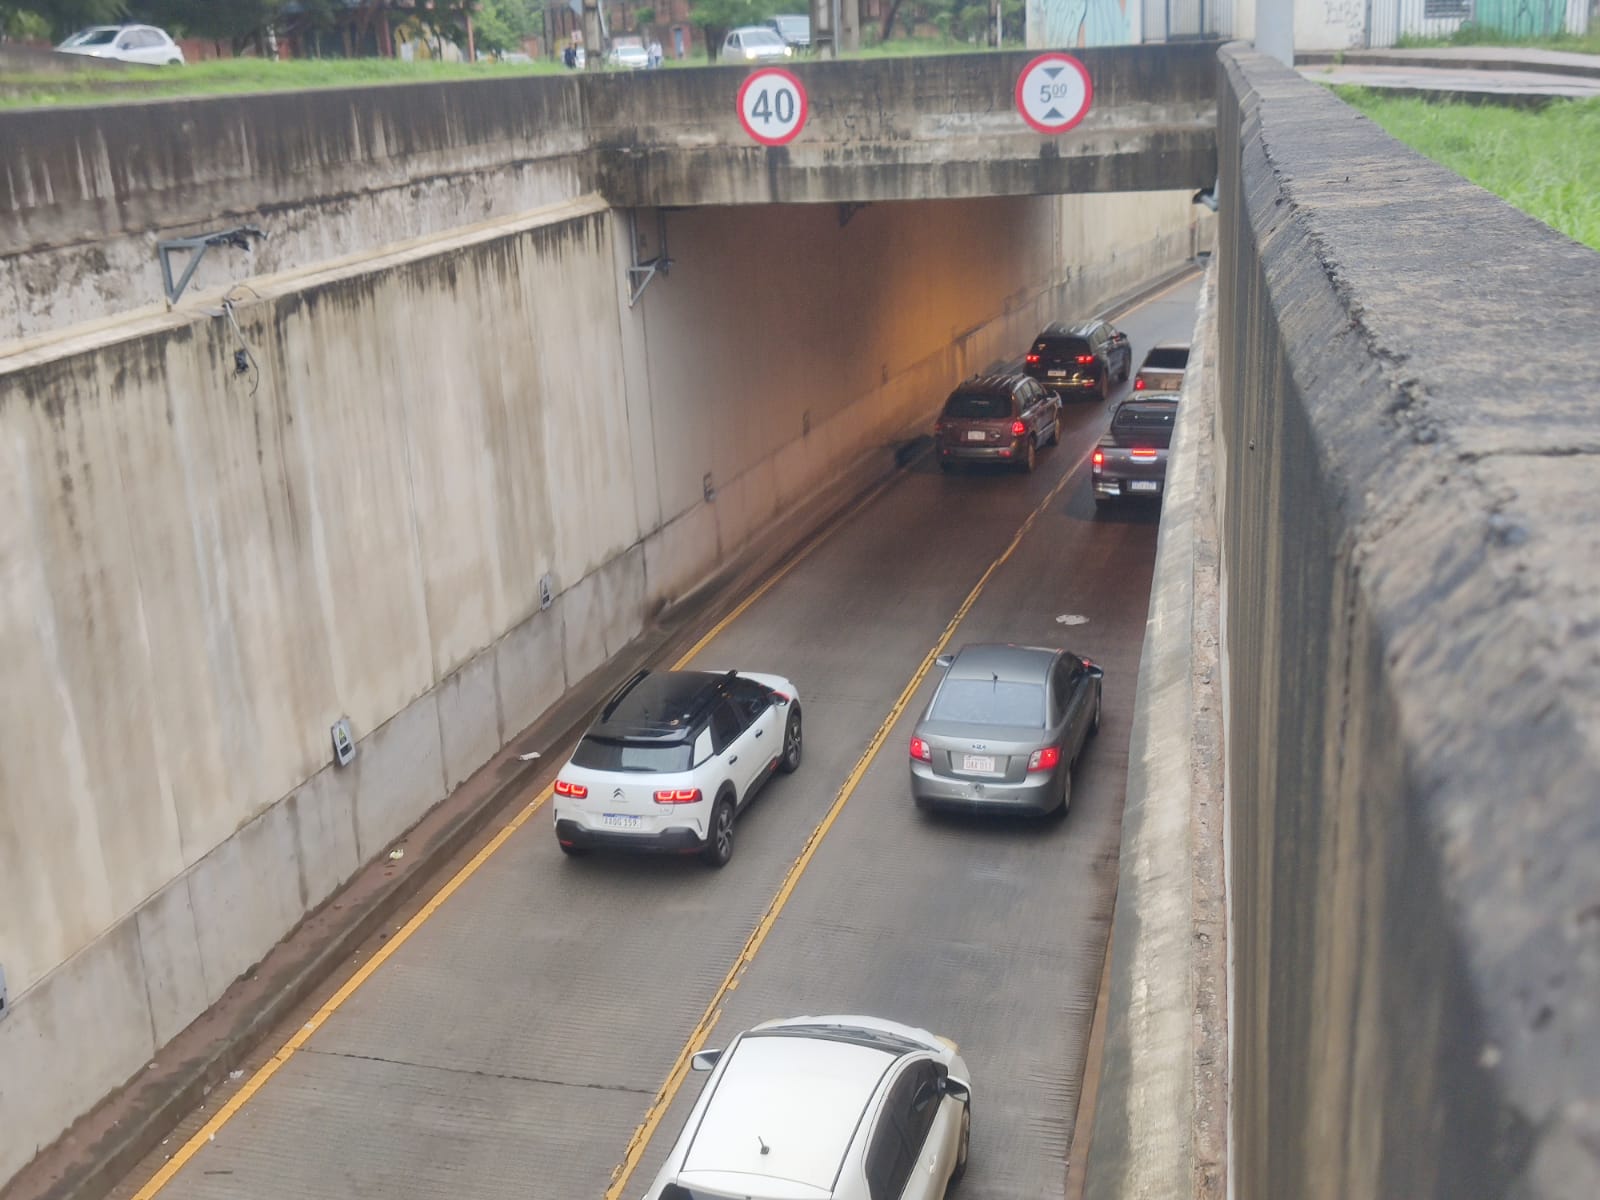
(1472, 35)
(237, 75)
(1546, 162)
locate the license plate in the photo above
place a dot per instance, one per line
(976, 435)
(621, 820)
(977, 762)
(1057, 374)
(1143, 485)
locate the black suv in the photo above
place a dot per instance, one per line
(997, 418)
(1080, 359)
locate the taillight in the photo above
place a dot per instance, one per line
(1099, 458)
(1045, 760)
(1145, 456)
(1018, 429)
(1085, 358)
(920, 750)
(1138, 384)
(575, 790)
(678, 796)
(779, 698)
(1033, 360)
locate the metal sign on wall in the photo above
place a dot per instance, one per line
(772, 106)
(1054, 92)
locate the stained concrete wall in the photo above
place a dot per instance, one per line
(86, 193)
(1409, 467)
(205, 568)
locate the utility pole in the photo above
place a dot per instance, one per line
(849, 25)
(593, 47)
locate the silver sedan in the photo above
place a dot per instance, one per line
(1004, 729)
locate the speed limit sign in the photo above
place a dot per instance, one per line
(1054, 92)
(772, 106)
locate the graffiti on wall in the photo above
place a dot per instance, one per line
(1069, 23)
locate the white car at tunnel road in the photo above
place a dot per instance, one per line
(824, 1108)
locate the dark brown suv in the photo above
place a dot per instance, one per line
(1080, 360)
(997, 418)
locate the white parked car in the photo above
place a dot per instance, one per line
(755, 43)
(628, 53)
(824, 1108)
(125, 43)
(673, 758)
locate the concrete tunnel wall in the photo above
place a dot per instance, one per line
(206, 569)
(1408, 488)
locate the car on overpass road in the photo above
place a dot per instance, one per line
(754, 43)
(673, 758)
(997, 418)
(125, 43)
(1004, 729)
(824, 1108)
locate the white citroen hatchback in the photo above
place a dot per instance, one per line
(672, 759)
(824, 1108)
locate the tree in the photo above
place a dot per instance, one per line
(503, 24)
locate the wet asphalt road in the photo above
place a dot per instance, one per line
(515, 1043)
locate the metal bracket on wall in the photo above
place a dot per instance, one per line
(196, 248)
(643, 271)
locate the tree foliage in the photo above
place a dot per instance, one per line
(503, 24)
(56, 18)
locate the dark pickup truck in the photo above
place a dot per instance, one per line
(1131, 460)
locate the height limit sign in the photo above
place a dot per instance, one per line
(1054, 93)
(772, 106)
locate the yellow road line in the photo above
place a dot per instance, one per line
(702, 1030)
(287, 1051)
(302, 1035)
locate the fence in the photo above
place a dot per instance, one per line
(1388, 21)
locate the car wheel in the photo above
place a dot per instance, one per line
(1029, 456)
(964, 1148)
(1060, 810)
(719, 841)
(1055, 431)
(1094, 727)
(790, 762)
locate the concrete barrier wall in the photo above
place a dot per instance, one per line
(205, 567)
(1409, 488)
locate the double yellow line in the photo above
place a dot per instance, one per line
(713, 1010)
(702, 1030)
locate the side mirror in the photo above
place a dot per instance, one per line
(1095, 672)
(944, 660)
(958, 1088)
(705, 1060)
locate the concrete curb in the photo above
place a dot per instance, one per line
(1581, 65)
(108, 1143)
(1161, 1100)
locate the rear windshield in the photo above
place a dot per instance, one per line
(1168, 358)
(1062, 347)
(622, 754)
(977, 405)
(990, 702)
(1145, 421)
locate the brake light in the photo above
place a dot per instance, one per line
(779, 698)
(1142, 455)
(920, 750)
(1045, 760)
(1099, 458)
(678, 796)
(575, 790)
(1018, 429)
(1033, 360)
(1138, 384)
(1085, 358)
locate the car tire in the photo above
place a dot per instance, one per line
(1055, 431)
(793, 744)
(1060, 810)
(719, 838)
(1030, 456)
(964, 1146)
(1094, 726)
